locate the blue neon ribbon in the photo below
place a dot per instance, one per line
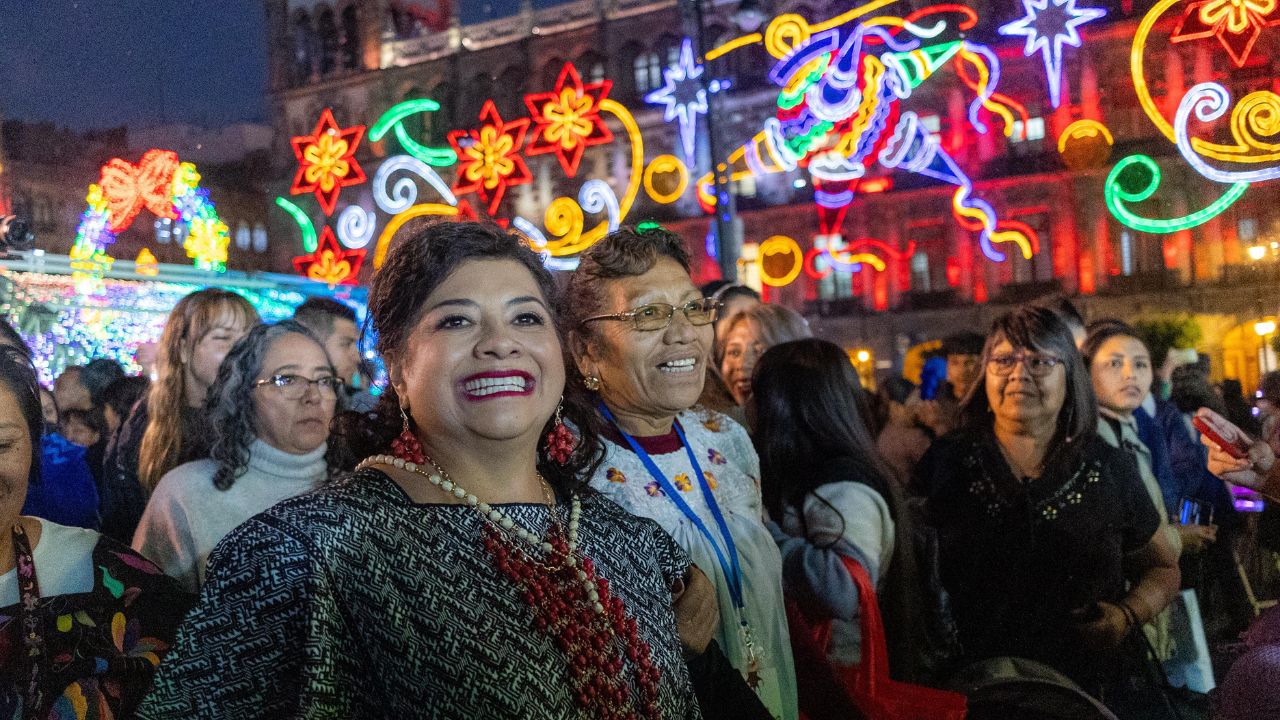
(732, 570)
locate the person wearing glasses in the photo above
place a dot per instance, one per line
(1049, 545)
(641, 336)
(269, 411)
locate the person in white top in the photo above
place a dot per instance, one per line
(270, 409)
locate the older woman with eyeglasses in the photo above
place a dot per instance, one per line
(269, 410)
(1048, 542)
(641, 335)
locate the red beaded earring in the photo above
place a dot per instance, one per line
(406, 446)
(561, 440)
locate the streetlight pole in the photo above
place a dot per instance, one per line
(725, 217)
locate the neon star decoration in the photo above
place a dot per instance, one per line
(567, 119)
(330, 263)
(490, 157)
(683, 96)
(326, 161)
(1049, 25)
(1236, 23)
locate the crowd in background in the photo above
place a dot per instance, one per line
(618, 494)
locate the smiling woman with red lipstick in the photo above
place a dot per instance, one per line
(641, 336)
(464, 571)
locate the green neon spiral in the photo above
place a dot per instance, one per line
(1116, 197)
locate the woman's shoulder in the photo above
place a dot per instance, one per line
(189, 477)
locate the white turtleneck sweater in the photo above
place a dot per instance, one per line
(187, 516)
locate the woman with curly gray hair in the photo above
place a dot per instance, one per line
(269, 411)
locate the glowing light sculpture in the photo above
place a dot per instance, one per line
(330, 263)
(395, 117)
(326, 161)
(683, 96)
(1235, 23)
(567, 120)
(1050, 25)
(490, 157)
(1117, 197)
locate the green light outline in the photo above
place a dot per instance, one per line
(309, 240)
(1115, 197)
(438, 157)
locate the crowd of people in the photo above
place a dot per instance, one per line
(616, 494)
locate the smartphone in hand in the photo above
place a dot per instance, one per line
(1223, 433)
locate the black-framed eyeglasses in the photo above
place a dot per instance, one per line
(1037, 364)
(657, 316)
(294, 387)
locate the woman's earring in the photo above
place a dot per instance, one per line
(561, 440)
(407, 447)
(591, 382)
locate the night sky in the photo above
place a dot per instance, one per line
(93, 64)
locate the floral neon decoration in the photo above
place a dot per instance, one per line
(326, 161)
(161, 184)
(489, 157)
(567, 120)
(330, 263)
(1235, 23)
(1049, 26)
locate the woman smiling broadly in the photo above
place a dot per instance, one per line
(641, 336)
(1048, 543)
(270, 410)
(462, 571)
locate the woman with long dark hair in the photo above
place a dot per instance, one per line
(1049, 545)
(830, 494)
(463, 571)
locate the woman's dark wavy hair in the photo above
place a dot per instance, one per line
(1042, 330)
(421, 257)
(19, 376)
(230, 403)
(807, 415)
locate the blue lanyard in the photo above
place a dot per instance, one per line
(730, 567)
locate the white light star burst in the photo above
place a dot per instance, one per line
(683, 96)
(1048, 26)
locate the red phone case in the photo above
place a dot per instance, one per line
(1232, 449)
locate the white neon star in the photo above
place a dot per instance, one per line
(683, 95)
(1048, 25)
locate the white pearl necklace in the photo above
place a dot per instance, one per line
(500, 519)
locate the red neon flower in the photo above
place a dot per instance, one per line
(568, 118)
(326, 161)
(127, 188)
(490, 161)
(331, 263)
(1236, 24)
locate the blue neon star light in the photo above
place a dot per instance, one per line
(683, 96)
(1048, 25)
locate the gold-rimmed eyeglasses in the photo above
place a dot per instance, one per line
(293, 387)
(1038, 365)
(657, 316)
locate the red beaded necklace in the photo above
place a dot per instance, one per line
(570, 603)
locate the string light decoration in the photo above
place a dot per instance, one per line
(683, 96)
(567, 120)
(489, 157)
(1235, 23)
(395, 117)
(330, 264)
(326, 161)
(1050, 25)
(165, 186)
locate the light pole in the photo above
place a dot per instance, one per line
(747, 17)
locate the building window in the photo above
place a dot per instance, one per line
(920, 281)
(1126, 253)
(1247, 229)
(164, 230)
(596, 74)
(243, 240)
(932, 123)
(327, 30)
(648, 70)
(1034, 130)
(259, 238)
(350, 38)
(302, 46)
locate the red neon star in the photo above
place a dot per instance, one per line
(568, 118)
(331, 263)
(1236, 23)
(489, 157)
(327, 162)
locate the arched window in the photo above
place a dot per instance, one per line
(327, 31)
(259, 238)
(303, 41)
(592, 67)
(648, 72)
(350, 38)
(243, 240)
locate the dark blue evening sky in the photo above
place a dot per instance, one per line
(96, 63)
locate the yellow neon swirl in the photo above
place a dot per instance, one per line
(384, 240)
(734, 44)
(1136, 69)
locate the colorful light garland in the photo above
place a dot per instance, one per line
(1050, 25)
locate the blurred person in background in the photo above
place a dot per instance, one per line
(1238, 408)
(748, 335)
(902, 440)
(69, 392)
